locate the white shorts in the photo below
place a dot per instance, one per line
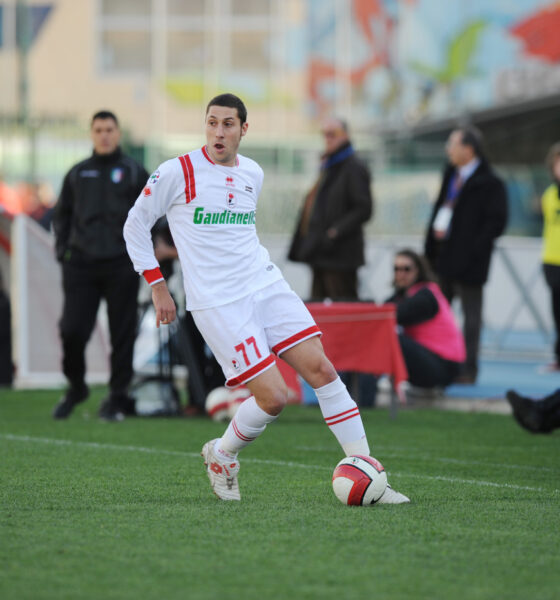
(244, 334)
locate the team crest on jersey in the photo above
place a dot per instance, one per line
(235, 364)
(230, 182)
(154, 177)
(230, 200)
(147, 191)
(116, 175)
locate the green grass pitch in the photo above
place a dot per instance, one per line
(93, 510)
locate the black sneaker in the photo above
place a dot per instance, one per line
(127, 404)
(110, 410)
(528, 413)
(73, 396)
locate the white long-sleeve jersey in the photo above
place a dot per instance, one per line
(211, 212)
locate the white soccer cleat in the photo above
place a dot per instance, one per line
(222, 475)
(390, 496)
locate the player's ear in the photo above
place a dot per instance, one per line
(244, 128)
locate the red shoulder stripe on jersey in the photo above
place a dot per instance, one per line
(188, 172)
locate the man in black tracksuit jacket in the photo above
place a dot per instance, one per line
(96, 196)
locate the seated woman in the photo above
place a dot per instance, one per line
(431, 343)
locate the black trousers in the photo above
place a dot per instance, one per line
(552, 276)
(85, 283)
(6, 364)
(200, 363)
(337, 285)
(426, 369)
(471, 303)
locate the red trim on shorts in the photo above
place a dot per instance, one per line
(188, 173)
(153, 276)
(295, 339)
(252, 372)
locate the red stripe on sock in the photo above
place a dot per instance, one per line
(327, 419)
(331, 423)
(238, 433)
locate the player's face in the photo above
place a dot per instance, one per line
(459, 154)
(223, 134)
(405, 272)
(105, 135)
(333, 135)
(556, 168)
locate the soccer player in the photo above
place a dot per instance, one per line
(238, 298)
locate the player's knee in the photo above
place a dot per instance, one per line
(273, 400)
(322, 372)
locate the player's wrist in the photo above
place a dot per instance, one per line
(153, 276)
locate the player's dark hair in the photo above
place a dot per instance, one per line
(472, 136)
(229, 101)
(552, 155)
(105, 114)
(420, 263)
(344, 125)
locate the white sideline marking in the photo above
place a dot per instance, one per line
(414, 454)
(145, 450)
(510, 486)
(279, 463)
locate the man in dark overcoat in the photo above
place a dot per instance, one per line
(329, 234)
(468, 216)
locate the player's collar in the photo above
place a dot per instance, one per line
(207, 156)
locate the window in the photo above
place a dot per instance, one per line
(250, 50)
(126, 8)
(250, 7)
(126, 51)
(185, 8)
(186, 50)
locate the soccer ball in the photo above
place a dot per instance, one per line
(359, 480)
(217, 404)
(237, 397)
(222, 403)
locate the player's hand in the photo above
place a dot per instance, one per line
(166, 311)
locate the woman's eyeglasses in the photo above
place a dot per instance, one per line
(405, 268)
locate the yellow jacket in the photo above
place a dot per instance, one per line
(551, 229)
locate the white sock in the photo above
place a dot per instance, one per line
(249, 422)
(342, 415)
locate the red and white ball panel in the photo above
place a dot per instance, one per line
(222, 403)
(217, 404)
(359, 480)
